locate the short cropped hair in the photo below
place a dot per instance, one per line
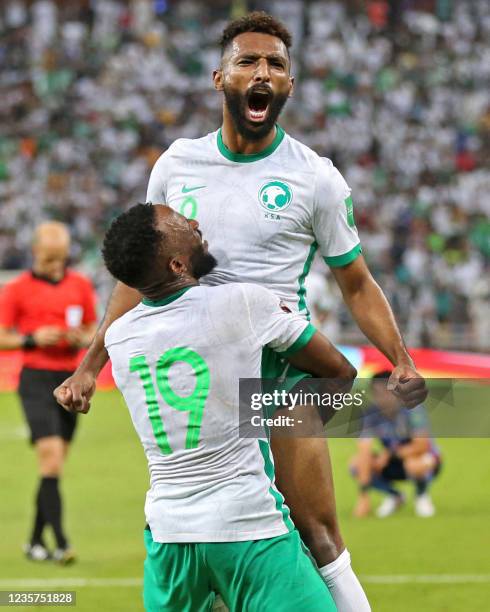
(132, 244)
(258, 21)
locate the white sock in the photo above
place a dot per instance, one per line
(344, 586)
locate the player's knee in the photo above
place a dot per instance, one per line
(415, 468)
(50, 460)
(51, 466)
(321, 527)
(50, 470)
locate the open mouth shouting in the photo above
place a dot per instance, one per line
(258, 101)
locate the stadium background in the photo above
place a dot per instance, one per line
(398, 95)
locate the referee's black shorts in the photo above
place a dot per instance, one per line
(43, 413)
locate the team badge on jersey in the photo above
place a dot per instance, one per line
(275, 196)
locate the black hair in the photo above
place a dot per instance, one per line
(258, 21)
(132, 244)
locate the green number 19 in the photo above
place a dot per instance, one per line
(193, 403)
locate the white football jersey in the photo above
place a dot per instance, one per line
(264, 215)
(177, 362)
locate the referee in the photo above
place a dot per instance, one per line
(49, 313)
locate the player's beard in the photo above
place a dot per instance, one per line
(237, 103)
(202, 262)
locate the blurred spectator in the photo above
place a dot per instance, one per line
(397, 94)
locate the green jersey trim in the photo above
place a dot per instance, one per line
(302, 289)
(269, 471)
(246, 158)
(342, 260)
(301, 342)
(168, 300)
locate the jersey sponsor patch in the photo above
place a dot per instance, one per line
(275, 196)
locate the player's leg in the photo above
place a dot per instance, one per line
(175, 579)
(273, 574)
(363, 503)
(383, 480)
(422, 470)
(304, 477)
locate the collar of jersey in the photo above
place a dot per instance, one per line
(246, 158)
(168, 300)
(46, 279)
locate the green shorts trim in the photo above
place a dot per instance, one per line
(274, 574)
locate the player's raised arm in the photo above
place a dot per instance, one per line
(75, 392)
(336, 234)
(373, 314)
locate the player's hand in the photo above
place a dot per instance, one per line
(75, 337)
(48, 335)
(407, 384)
(75, 393)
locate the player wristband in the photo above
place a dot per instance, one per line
(29, 342)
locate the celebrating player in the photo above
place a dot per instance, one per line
(267, 203)
(48, 313)
(215, 517)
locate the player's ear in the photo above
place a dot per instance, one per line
(218, 79)
(177, 266)
(291, 87)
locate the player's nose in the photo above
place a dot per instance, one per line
(262, 73)
(194, 224)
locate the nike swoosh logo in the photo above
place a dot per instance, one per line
(187, 189)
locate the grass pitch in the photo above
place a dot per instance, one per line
(406, 563)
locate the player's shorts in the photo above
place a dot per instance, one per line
(278, 374)
(275, 366)
(44, 415)
(275, 574)
(395, 470)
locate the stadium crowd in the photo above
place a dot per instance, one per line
(397, 94)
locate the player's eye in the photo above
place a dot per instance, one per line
(245, 62)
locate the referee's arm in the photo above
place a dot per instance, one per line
(44, 336)
(10, 339)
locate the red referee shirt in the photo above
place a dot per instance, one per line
(28, 303)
